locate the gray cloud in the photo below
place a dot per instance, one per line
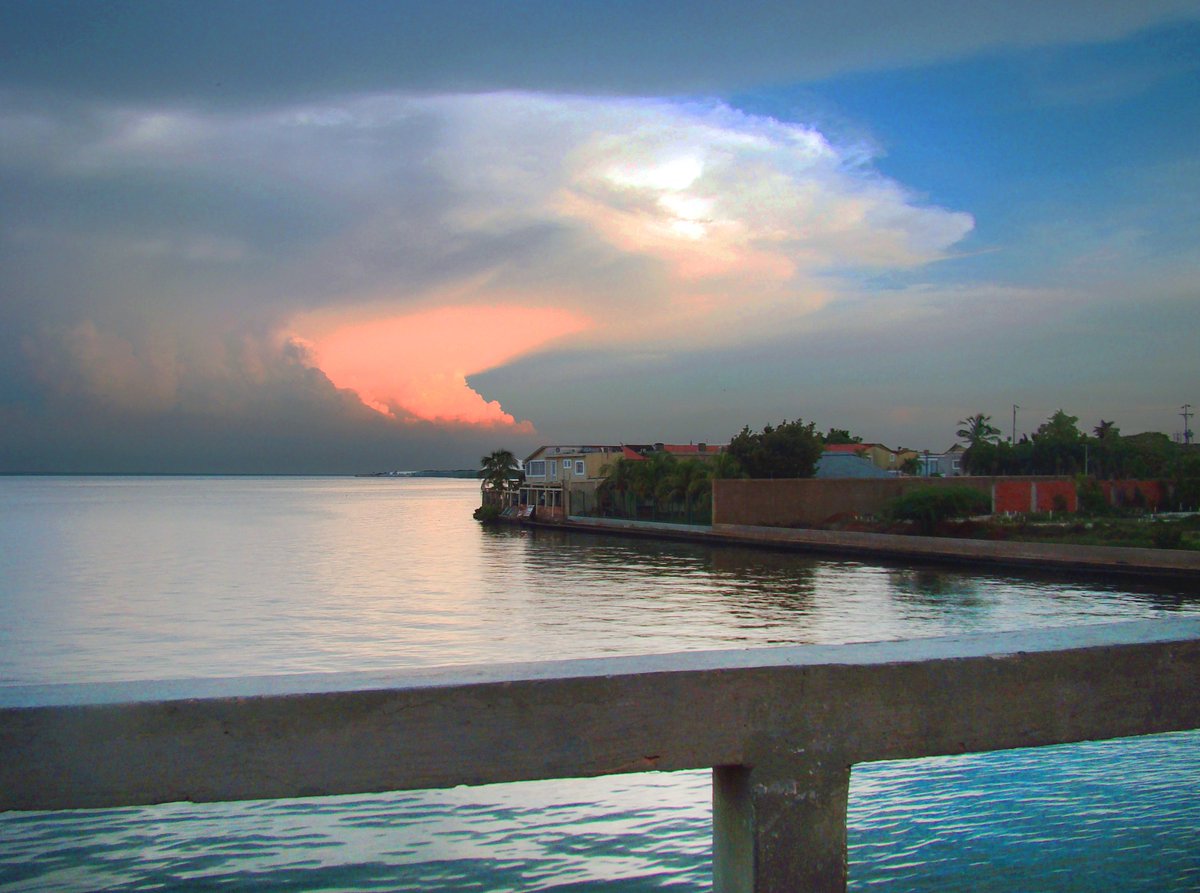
(902, 374)
(162, 257)
(282, 416)
(222, 50)
(184, 182)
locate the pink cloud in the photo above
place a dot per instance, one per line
(415, 366)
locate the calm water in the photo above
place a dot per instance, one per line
(136, 578)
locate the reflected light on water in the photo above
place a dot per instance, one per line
(135, 578)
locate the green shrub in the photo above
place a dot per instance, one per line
(488, 514)
(1187, 494)
(929, 506)
(1166, 536)
(1092, 500)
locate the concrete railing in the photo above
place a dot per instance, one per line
(781, 727)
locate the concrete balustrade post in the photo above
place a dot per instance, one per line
(780, 827)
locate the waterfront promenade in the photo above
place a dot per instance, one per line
(1176, 564)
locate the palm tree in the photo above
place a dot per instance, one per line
(618, 479)
(1108, 450)
(499, 469)
(690, 478)
(650, 477)
(978, 429)
(723, 465)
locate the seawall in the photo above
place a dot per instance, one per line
(1175, 564)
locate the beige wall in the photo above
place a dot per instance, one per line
(882, 457)
(596, 461)
(593, 461)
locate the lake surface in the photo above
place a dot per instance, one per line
(108, 579)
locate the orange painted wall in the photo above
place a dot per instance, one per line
(1011, 496)
(1061, 492)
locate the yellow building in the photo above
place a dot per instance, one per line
(557, 475)
(878, 455)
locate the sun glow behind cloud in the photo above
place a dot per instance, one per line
(709, 226)
(482, 228)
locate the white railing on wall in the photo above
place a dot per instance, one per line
(780, 727)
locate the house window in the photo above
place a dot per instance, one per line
(537, 468)
(957, 464)
(579, 467)
(554, 471)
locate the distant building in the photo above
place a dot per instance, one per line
(904, 456)
(552, 473)
(691, 450)
(560, 480)
(678, 450)
(838, 464)
(948, 464)
(876, 453)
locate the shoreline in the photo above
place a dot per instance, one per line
(1176, 564)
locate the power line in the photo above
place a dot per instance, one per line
(1139, 408)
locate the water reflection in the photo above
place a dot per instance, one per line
(924, 596)
(715, 596)
(137, 578)
(109, 579)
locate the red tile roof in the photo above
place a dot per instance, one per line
(851, 448)
(692, 449)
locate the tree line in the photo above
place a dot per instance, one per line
(1059, 447)
(662, 484)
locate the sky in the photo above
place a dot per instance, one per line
(329, 237)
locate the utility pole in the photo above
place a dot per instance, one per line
(1187, 428)
(1013, 440)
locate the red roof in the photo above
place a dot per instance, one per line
(851, 448)
(692, 449)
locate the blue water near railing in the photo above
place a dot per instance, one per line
(137, 578)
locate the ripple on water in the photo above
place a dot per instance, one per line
(1084, 817)
(237, 577)
(1107, 815)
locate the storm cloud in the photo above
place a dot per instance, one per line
(286, 238)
